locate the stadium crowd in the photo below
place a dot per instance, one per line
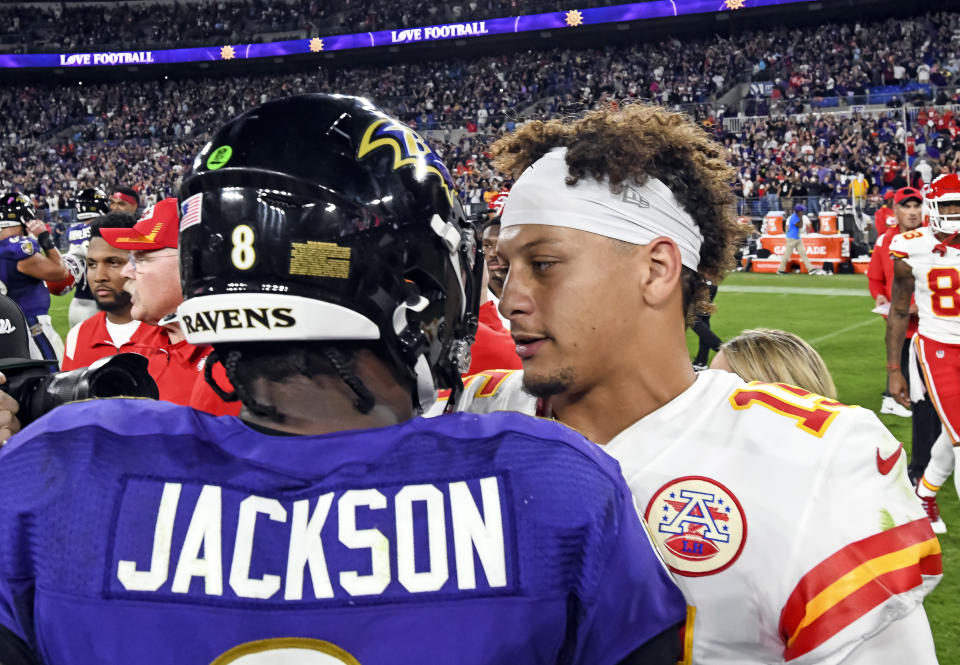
(816, 156)
(842, 59)
(59, 138)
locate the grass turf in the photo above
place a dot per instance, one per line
(850, 339)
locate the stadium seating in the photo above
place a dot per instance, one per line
(57, 138)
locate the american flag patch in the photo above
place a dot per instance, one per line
(190, 211)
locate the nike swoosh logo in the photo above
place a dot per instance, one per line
(885, 465)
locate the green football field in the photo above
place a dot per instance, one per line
(833, 314)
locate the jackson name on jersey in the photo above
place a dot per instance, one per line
(786, 517)
(936, 283)
(144, 532)
(214, 510)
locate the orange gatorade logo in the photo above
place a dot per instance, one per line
(697, 524)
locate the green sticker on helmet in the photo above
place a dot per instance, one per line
(219, 157)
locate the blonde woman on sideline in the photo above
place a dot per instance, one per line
(775, 356)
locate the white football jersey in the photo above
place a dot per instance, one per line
(937, 283)
(787, 518)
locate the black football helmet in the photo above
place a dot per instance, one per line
(91, 203)
(16, 209)
(320, 217)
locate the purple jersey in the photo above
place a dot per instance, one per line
(138, 531)
(78, 235)
(28, 292)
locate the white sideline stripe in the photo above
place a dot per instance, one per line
(799, 290)
(822, 338)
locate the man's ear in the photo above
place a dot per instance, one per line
(663, 271)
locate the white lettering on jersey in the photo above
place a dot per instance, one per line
(203, 532)
(372, 539)
(483, 534)
(474, 532)
(152, 579)
(306, 549)
(436, 576)
(240, 581)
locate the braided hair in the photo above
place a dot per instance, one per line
(244, 363)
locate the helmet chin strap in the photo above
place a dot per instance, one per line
(941, 247)
(457, 351)
(424, 391)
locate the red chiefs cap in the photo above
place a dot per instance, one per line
(156, 229)
(907, 193)
(889, 194)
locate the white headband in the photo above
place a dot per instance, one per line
(637, 215)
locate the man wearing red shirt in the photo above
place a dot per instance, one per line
(112, 329)
(908, 213)
(891, 169)
(154, 278)
(883, 218)
(493, 347)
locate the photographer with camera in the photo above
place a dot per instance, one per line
(29, 390)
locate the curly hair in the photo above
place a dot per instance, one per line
(631, 145)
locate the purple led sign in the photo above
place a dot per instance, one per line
(570, 20)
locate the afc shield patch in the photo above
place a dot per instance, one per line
(698, 525)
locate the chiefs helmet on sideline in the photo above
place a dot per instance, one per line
(944, 189)
(16, 209)
(320, 217)
(90, 203)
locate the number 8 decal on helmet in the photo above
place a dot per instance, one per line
(243, 254)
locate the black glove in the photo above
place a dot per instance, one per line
(46, 242)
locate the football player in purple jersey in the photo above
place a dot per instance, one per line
(27, 258)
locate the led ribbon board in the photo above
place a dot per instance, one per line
(569, 20)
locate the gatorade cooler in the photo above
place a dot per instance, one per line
(828, 223)
(773, 223)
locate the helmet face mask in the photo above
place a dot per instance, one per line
(328, 220)
(945, 189)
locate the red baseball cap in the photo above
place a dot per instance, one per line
(156, 229)
(889, 194)
(907, 193)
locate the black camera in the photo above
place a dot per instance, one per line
(37, 391)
